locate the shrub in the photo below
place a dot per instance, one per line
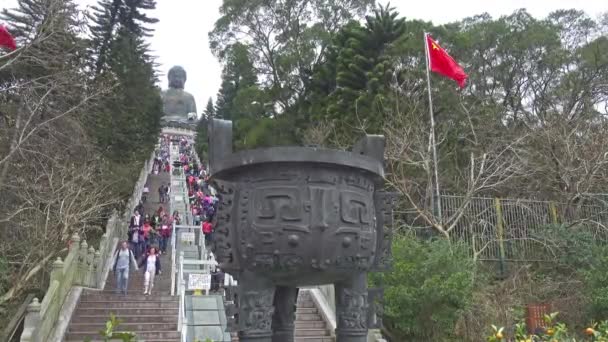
(430, 284)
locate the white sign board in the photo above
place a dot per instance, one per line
(188, 237)
(199, 281)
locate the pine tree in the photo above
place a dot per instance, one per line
(351, 86)
(128, 122)
(209, 112)
(238, 74)
(109, 16)
(50, 28)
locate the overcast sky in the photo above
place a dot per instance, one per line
(181, 34)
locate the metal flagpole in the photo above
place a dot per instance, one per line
(433, 142)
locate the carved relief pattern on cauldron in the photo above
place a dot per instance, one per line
(222, 244)
(352, 311)
(326, 217)
(256, 309)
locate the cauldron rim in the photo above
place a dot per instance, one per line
(296, 154)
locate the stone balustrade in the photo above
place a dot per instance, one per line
(83, 266)
(324, 297)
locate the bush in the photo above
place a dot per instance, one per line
(431, 283)
(596, 284)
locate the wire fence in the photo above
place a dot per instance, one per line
(510, 229)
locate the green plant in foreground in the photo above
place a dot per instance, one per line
(109, 334)
(554, 332)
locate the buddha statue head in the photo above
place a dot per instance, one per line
(177, 77)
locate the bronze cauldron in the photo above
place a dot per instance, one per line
(299, 216)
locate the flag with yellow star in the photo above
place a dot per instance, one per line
(442, 63)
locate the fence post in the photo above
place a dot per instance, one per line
(82, 263)
(31, 322)
(553, 212)
(90, 267)
(97, 270)
(57, 270)
(500, 234)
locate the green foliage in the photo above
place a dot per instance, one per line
(596, 284)
(239, 84)
(128, 122)
(288, 39)
(263, 132)
(201, 145)
(110, 333)
(352, 86)
(431, 283)
(209, 112)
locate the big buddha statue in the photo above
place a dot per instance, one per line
(178, 105)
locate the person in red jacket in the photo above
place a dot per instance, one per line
(146, 234)
(208, 231)
(165, 233)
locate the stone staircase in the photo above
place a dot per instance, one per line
(310, 326)
(152, 318)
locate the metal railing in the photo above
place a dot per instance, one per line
(510, 229)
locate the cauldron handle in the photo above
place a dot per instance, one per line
(372, 146)
(219, 133)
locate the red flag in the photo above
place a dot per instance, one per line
(442, 63)
(6, 39)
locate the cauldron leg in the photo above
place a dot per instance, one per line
(284, 314)
(256, 295)
(351, 309)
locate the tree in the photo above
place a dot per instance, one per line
(209, 112)
(287, 39)
(108, 16)
(52, 176)
(354, 82)
(238, 79)
(129, 120)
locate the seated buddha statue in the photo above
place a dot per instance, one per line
(178, 105)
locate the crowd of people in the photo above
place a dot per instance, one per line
(149, 233)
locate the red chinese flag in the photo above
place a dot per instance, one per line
(6, 40)
(442, 63)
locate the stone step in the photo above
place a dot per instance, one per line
(119, 340)
(310, 325)
(300, 339)
(143, 318)
(132, 297)
(327, 338)
(308, 317)
(137, 292)
(151, 335)
(306, 304)
(132, 327)
(140, 276)
(306, 310)
(126, 304)
(311, 332)
(119, 312)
